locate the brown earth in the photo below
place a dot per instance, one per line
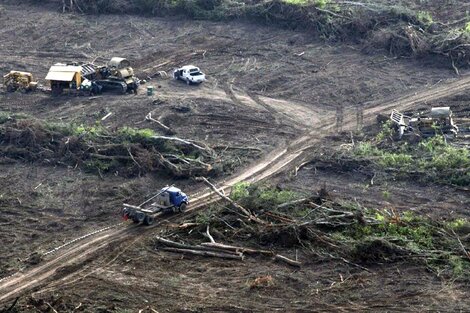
(262, 92)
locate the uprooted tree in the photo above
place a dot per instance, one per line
(125, 151)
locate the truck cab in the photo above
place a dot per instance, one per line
(171, 198)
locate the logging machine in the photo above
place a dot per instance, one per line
(168, 199)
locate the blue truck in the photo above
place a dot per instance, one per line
(168, 199)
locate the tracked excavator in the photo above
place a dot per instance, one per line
(117, 75)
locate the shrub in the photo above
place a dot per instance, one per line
(466, 29)
(136, 134)
(239, 191)
(425, 18)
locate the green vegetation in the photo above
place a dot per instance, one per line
(126, 151)
(205, 217)
(466, 29)
(299, 2)
(6, 116)
(257, 196)
(406, 230)
(321, 3)
(425, 18)
(97, 130)
(240, 191)
(458, 225)
(136, 134)
(433, 158)
(343, 229)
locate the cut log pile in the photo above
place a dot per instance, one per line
(219, 250)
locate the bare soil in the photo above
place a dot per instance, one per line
(266, 88)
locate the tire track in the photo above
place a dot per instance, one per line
(276, 162)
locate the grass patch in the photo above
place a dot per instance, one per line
(434, 159)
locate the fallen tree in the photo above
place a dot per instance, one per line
(126, 151)
(214, 249)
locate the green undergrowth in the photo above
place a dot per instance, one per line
(259, 196)
(432, 159)
(340, 228)
(6, 116)
(124, 151)
(98, 130)
(407, 235)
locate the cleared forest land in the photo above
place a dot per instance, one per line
(286, 125)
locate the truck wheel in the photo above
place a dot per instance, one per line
(148, 220)
(188, 82)
(139, 217)
(182, 207)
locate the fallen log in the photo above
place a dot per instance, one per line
(187, 160)
(235, 248)
(149, 117)
(280, 218)
(284, 259)
(224, 147)
(206, 253)
(461, 245)
(173, 244)
(10, 308)
(235, 205)
(186, 142)
(294, 202)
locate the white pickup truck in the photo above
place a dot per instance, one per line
(190, 74)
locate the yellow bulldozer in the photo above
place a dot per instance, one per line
(21, 81)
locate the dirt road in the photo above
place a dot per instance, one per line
(71, 259)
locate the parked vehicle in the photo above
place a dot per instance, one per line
(189, 74)
(22, 81)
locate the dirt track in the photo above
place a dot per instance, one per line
(47, 272)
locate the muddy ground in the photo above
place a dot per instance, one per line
(265, 87)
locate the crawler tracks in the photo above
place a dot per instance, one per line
(69, 260)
